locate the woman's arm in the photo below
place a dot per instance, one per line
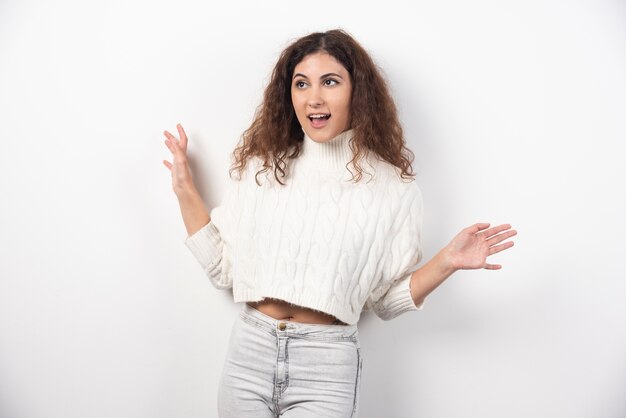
(468, 250)
(194, 212)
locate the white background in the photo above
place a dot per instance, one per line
(515, 111)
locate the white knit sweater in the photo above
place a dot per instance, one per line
(321, 241)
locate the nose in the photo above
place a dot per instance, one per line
(315, 98)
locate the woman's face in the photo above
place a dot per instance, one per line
(320, 93)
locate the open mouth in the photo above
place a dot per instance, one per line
(319, 117)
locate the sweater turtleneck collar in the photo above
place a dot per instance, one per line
(333, 154)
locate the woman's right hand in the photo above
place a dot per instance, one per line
(182, 181)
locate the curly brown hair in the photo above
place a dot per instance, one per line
(276, 136)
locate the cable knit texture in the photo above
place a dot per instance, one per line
(320, 241)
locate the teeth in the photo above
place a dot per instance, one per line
(318, 116)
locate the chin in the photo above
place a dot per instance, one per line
(320, 136)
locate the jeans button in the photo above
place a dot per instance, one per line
(282, 326)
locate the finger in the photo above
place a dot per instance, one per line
(477, 227)
(493, 267)
(171, 145)
(183, 136)
(496, 249)
(501, 237)
(170, 136)
(497, 229)
(168, 165)
(179, 155)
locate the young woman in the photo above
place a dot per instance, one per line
(322, 222)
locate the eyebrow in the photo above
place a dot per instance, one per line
(323, 76)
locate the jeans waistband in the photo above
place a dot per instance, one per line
(283, 325)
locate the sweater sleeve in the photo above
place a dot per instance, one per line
(210, 244)
(207, 247)
(391, 296)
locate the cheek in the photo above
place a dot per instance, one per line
(345, 108)
(296, 107)
(297, 101)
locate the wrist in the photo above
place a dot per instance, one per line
(445, 262)
(186, 193)
(426, 278)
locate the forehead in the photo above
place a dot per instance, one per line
(319, 63)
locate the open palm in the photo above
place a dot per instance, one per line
(471, 247)
(179, 167)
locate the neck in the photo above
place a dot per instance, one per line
(332, 154)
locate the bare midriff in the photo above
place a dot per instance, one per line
(282, 310)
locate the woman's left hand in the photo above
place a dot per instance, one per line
(471, 247)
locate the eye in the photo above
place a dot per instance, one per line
(299, 84)
(330, 82)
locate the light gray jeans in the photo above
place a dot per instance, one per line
(277, 368)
